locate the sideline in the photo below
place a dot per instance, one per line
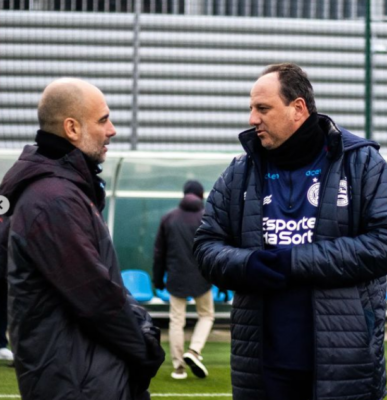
(191, 394)
(16, 396)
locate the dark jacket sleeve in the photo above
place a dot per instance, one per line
(363, 257)
(62, 242)
(4, 232)
(219, 260)
(160, 256)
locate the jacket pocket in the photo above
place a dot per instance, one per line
(369, 316)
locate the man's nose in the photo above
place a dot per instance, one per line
(112, 129)
(255, 119)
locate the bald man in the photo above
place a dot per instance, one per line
(75, 331)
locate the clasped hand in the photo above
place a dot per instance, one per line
(269, 269)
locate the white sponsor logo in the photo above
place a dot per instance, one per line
(279, 231)
(342, 197)
(267, 199)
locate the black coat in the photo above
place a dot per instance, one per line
(74, 329)
(173, 250)
(4, 231)
(345, 266)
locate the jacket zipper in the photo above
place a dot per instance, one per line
(314, 346)
(290, 201)
(322, 190)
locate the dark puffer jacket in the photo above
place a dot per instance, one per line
(346, 267)
(73, 326)
(173, 250)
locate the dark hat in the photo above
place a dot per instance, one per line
(194, 187)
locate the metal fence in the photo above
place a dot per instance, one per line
(178, 82)
(314, 9)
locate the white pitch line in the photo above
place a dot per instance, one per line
(16, 396)
(191, 394)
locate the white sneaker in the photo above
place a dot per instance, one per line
(6, 354)
(194, 361)
(179, 373)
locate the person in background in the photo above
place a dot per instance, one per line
(173, 257)
(5, 352)
(297, 226)
(75, 330)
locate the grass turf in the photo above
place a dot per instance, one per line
(216, 358)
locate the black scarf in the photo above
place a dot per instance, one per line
(55, 147)
(301, 148)
(52, 146)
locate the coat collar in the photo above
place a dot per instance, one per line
(339, 139)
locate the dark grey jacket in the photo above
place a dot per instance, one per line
(173, 250)
(4, 230)
(74, 329)
(346, 267)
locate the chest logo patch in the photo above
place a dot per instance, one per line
(312, 194)
(342, 197)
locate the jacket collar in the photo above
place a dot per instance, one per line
(339, 139)
(191, 202)
(32, 166)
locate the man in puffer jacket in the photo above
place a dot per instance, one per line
(75, 331)
(173, 256)
(298, 228)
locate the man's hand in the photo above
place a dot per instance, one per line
(269, 269)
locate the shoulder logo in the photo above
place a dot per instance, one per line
(267, 199)
(342, 197)
(313, 193)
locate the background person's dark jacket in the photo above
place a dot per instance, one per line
(173, 250)
(73, 328)
(346, 267)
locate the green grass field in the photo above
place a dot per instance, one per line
(216, 386)
(216, 358)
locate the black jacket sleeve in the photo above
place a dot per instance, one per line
(160, 257)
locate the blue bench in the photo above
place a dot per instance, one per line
(138, 283)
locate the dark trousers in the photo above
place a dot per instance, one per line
(143, 396)
(282, 384)
(3, 312)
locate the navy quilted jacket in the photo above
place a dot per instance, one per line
(345, 266)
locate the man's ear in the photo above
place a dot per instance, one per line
(72, 129)
(300, 108)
